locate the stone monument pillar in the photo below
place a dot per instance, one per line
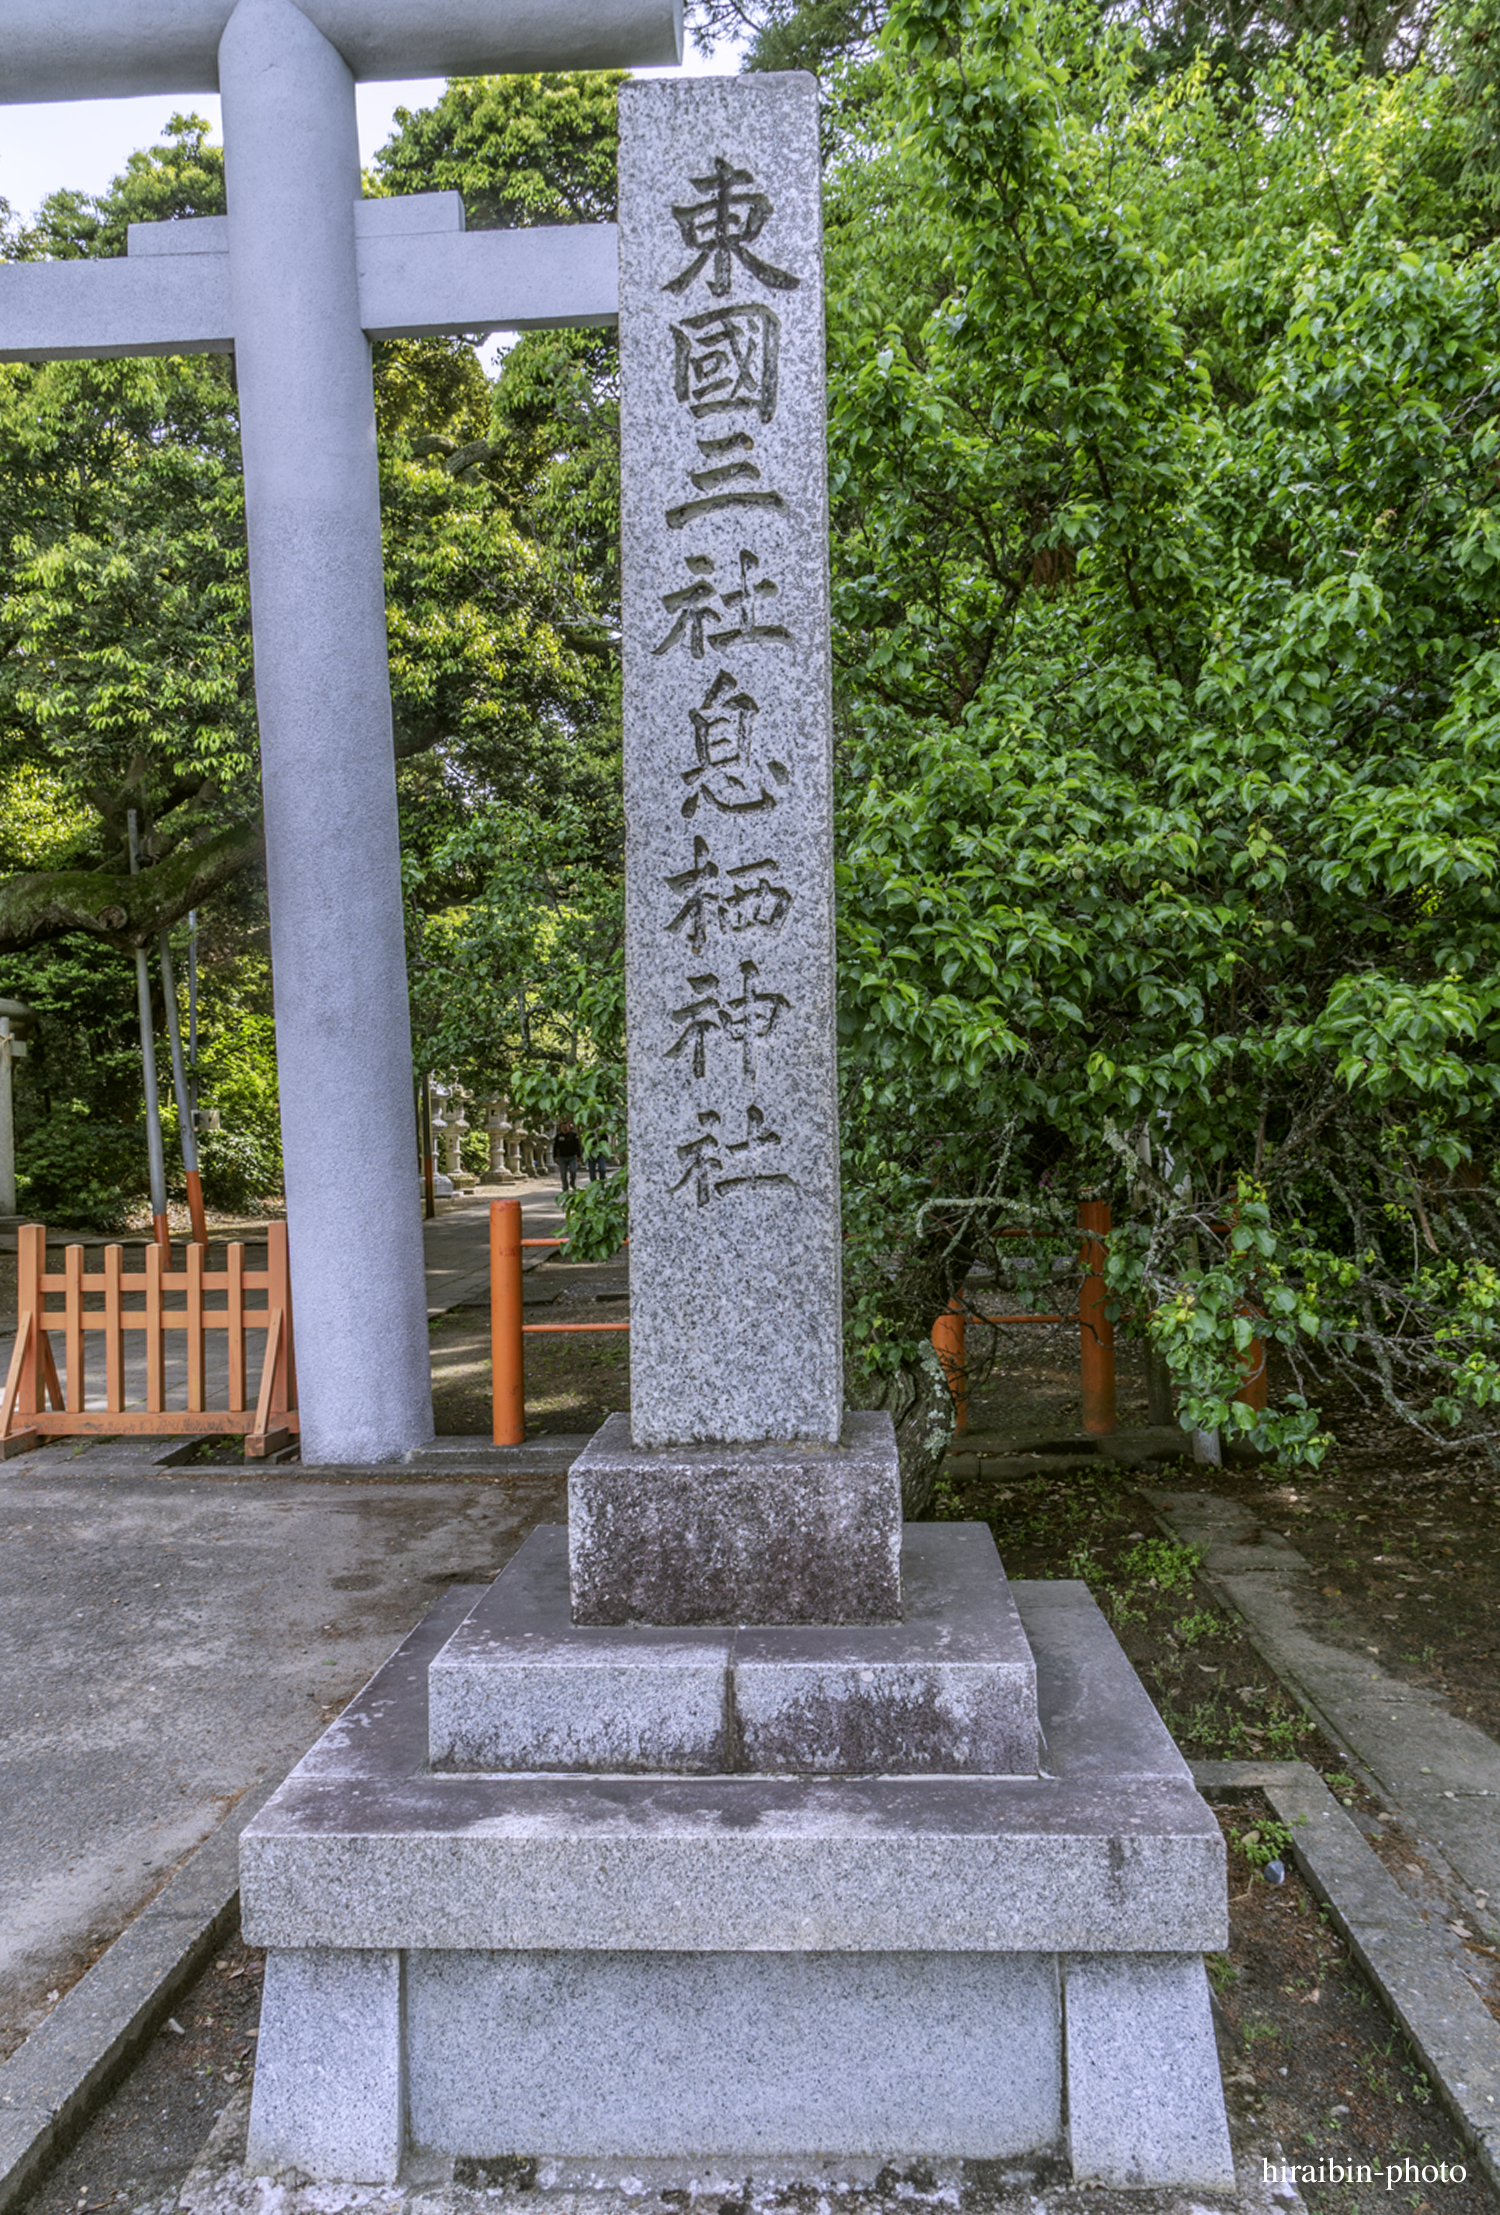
(738, 1488)
(713, 1844)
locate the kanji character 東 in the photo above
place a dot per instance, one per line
(727, 223)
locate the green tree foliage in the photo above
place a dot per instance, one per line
(125, 674)
(513, 863)
(1165, 556)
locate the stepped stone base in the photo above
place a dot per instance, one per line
(784, 1970)
(951, 1689)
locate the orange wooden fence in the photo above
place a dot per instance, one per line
(171, 1301)
(1096, 1333)
(508, 1332)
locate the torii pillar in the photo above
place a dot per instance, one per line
(296, 282)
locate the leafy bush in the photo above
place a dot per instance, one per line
(81, 1174)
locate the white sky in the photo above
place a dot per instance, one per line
(83, 143)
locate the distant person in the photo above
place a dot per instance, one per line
(567, 1152)
(598, 1161)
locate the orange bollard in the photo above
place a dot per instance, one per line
(1252, 1393)
(162, 1233)
(195, 1208)
(507, 1355)
(1096, 1333)
(948, 1339)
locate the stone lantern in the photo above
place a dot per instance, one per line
(497, 1126)
(16, 1019)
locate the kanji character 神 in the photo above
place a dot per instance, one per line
(746, 1019)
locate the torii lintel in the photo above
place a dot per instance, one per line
(107, 49)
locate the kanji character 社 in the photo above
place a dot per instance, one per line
(694, 609)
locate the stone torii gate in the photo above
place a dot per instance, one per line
(296, 281)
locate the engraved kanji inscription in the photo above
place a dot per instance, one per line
(728, 359)
(728, 466)
(714, 1167)
(723, 770)
(744, 897)
(738, 613)
(744, 1018)
(726, 224)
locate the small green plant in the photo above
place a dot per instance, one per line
(1222, 1972)
(1163, 1564)
(1340, 1781)
(1265, 1841)
(1284, 1725)
(1203, 1623)
(1259, 2031)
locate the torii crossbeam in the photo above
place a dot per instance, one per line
(296, 280)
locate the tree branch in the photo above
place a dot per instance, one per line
(124, 911)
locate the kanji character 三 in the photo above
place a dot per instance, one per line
(713, 482)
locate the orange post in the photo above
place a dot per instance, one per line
(1252, 1393)
(507, 1357)
(195, 1209)
(31, 1267)
(1095, 1330)
(948, 1339)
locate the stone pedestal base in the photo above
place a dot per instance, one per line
(766, 1972)
(737, 1534)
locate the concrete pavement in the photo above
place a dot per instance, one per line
(1440, 1773)
(168, 1643)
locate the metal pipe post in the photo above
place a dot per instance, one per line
(507, 1348)
(156, 1166)
(1096, 1333)
(328, 776)
(186, 1131)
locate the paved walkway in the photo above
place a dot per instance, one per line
(169, 1643)
(1438, 1772)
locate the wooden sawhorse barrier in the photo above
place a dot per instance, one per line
(25, 1417)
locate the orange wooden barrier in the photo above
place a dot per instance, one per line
(508, 1333)
(949, 1340)
(1096, 1333)
(25, 1417)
